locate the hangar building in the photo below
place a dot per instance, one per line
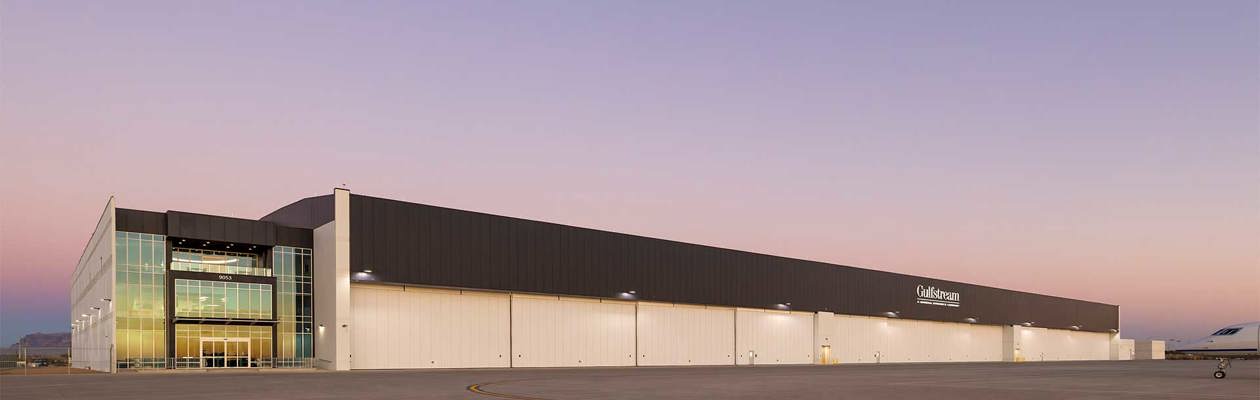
(346, 281)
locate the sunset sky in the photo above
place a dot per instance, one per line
(1108, 151)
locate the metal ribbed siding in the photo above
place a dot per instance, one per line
(427, 245)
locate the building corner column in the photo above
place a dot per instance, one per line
(332, 287)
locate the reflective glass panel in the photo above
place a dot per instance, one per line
(294, 322)
(139, 300)
(222, 300)
(219, 262)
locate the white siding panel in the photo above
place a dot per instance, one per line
(568, 332)
(1122, 349)
(1148, 350)
(671, 334)
(774, 337)
(91, 344)
(427, 328)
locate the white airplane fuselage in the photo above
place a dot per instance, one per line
(1231, 341)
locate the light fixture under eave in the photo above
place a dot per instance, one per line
(971, 320)
(1075, 327)
(892, 314)
(367, 271)
(1030, 323)
(1114, 330)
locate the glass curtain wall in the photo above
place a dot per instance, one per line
(222, 300)
(140, 300)
(293, 269)
(219, 262)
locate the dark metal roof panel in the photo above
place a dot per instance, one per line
(427, 245)
(308, 213)
(140, 221)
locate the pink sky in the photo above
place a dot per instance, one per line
(1107, 152)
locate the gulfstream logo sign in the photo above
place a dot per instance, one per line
(930, 295)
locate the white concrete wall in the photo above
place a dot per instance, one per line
(1041, 344)
(774, 337)
(549, 331)
(332, 287)
(878, 339)
(1148, 350)
(92, 340)
(396, 327)
(1122, 349)
(676, 334)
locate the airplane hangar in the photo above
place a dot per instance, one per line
(345, 281)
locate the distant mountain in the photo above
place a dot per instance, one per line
(58, 339)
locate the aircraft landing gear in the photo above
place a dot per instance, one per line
(1220, 368)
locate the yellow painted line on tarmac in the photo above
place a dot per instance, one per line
(477, 388)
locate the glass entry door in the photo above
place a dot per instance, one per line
(225, 352)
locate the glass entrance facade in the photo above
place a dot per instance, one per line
(225, 353)
(222, 346)
(178, 307)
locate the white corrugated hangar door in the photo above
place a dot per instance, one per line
(675, 334)
(427, 328)
(774, 337)
(571, 332)
(1041, 344)
(875, 339)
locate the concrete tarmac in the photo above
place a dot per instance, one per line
(974, 381)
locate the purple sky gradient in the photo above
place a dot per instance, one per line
(1108, 151)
